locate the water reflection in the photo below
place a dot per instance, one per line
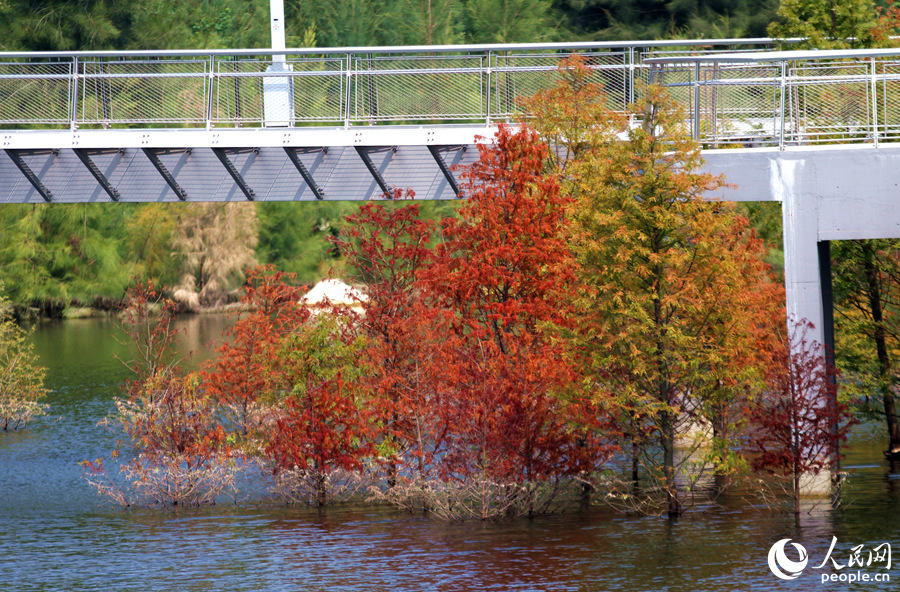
(54, 534)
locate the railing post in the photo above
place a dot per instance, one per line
(697, 100)
(349, 86)
(783, 85)
(73, 99)
(874, 89)
(209, 89)
(632, 68)
(487, 88)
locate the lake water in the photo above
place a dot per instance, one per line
(55, 534)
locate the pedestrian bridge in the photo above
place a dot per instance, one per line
(347, 123)
(813, 130)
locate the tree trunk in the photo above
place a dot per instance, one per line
(884, 360)
(635, 451)
(720, 433)
(667, 439)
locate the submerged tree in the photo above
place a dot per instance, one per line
(321, 428)
(515, 422)
(387, 244)
(178, 452)
(239, 376)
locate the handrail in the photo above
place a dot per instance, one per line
(734, 94)
(794, 97)
(347, 86)
(401, 49)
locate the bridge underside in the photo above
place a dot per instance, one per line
(285, 164)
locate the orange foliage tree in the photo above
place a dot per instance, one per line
(673, 300)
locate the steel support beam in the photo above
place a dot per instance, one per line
(16, 157)
(152, 154)
(442, 164)
(85, 156)
(239, 180)
(304, 172)
(376, 174)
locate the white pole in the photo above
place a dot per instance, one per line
(276, 14)
(278, 96)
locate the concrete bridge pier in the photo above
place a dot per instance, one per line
(827, 193)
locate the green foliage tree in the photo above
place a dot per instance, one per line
(50, 25)
(425, 22)
(294, 237)
(21, 378)
(866, 278)
(659, 19)
(509, 21)
(827, 24)
(53, 254)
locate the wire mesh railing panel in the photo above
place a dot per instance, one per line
(238, 91)
(316, 89)
(520, 75)
(320, 89)
(888, 95)
(418, 88)
(678, 80)
(830, 102)
(115, 92)
(35, 93)
(740, 104)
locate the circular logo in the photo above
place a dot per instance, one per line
(783, 567)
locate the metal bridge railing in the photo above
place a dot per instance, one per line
(735, 93)
(785, 98)
(344, 86)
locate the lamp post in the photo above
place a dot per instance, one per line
(278, 95)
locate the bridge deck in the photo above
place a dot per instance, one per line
(349, 123)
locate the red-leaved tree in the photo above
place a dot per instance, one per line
(513, 420)
(387, 244)
(242, 371)
(321, 434)
(798, 425)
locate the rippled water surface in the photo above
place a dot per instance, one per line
(56, 535)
